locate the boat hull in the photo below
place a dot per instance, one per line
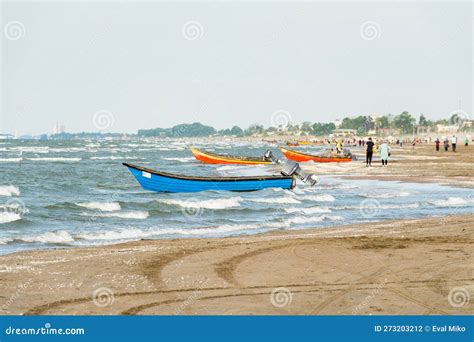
(211, 158)
(302, 157)
(157, 181)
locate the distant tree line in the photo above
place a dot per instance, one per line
(404, 122)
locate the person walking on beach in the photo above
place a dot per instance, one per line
(437, 142)
(466, 141)
(384, 153)
(370, 150)
(446, 144)
(339, 146)
(454, 140)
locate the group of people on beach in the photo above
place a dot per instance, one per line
(454, 141)
(383, 149)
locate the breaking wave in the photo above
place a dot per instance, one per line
(102, 206)
(9, 190)
(221, 203)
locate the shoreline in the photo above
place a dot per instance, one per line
(310, 272)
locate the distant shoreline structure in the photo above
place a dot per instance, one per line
(400, 125)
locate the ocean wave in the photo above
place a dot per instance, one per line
(33, 149)
(182, 160)
(319, 198)
(276, 200)
(387, 194)
(102, 206)
(239, 167)
(133, 234)
(108, 158)
(60, 236)
(135, 215)
(9, 190)
(4, 241)
(308, 211)
(215, 204)
(6, 216)
(10, 160)
(314, 219)
(380, 206)
(56, 159)
(453, 202)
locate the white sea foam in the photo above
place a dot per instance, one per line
(219, 203)
(102, 206)
(56, 159)
(131, 234)
(4, 241)
(306, 220)
(453, 202)
(387, 194)
(108, 158)
(380, 206)
(276, 200)
(182, 160)
(235, 167)
(9, 190)
(60, 236)
(319, 198)
(135, 215)
(308, 211)
(10, 160)
(6, 216)
(33, 149)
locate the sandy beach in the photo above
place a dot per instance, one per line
(420, 164)
(408, 267)
(399, 267)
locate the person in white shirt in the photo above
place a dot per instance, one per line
(454, 140)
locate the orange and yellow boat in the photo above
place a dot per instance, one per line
(306, 142)
(303, 157)
(212, 158)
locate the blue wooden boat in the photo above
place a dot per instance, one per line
(166, 182)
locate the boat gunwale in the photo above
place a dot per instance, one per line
(312, 155)
(230, 157)
(208, 179)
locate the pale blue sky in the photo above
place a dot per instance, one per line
(249, 60)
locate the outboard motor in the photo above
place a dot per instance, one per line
(291, 168)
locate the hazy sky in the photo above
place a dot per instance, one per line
(156, 64)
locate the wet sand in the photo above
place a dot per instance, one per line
(404, 267)
(420, 164)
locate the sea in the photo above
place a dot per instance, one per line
(62, 194)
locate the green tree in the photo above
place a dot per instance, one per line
(405, 122)
(383, 122)
(422, 121)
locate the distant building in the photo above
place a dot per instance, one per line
(466, 125)
(344, 132)
(58, 129)
(337, 123)
(389, 131)
(6, 136)
(446, 128)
